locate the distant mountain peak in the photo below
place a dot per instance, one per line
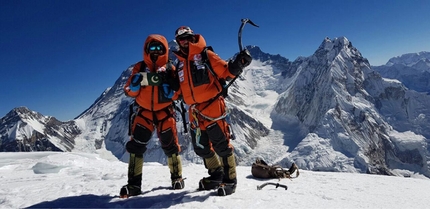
(410, 59)
(258, 54)
(21, 109)
(339, 42)
(23, 113)
(412, 69)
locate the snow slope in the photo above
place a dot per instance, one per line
(81, 180)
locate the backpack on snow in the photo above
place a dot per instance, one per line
(261, 169)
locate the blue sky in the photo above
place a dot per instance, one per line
(58, 56)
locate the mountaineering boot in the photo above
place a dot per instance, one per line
(215, 171)
(129, 190)
(213, 181)
(229, 182)
(178, 183)
(133, 187)
(227, 188)
(175, 165)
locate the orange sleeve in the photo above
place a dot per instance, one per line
(219, 65)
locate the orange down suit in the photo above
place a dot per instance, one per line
(200, 88)
(154, 109)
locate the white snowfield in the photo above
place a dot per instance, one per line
(72, 180)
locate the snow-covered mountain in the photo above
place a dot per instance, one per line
(23, 130)
(349, 118)
(412, 69)
(330, 111)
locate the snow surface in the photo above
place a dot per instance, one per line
(82, 180)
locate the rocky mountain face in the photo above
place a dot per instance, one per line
(331, 111)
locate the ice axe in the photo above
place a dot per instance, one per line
(225, 88)
(239, 38)
(244, 21)
(274, 184)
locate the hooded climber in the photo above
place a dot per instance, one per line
(201, 88)
(148, 85)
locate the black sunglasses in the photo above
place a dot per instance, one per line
(189, 38)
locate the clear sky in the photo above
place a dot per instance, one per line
(58, 56)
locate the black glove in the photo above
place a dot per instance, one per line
(168, 77)
(242, 60)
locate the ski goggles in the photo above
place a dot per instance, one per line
(156, 48)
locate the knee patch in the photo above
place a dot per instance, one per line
(135, 148)
(219, 140)
(141, 134)
(168, 142)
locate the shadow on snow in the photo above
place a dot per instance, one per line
(142, 201)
